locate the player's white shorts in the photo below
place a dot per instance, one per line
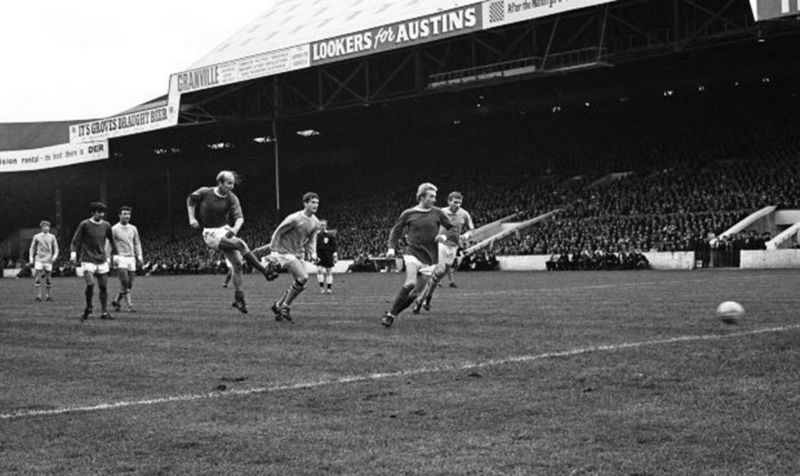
(212, 236)
(95, 268)
(125, 262)
(283, 259)
(426, 269)
(447, 253)
(39, 266)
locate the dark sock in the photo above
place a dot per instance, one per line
(103, 298)
(89, 293)
(403, 299)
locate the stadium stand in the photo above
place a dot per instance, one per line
(656, 173)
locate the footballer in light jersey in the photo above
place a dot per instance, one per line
(89, 245)
(129, 248)
(294, 241)
(448, 251)
(42, 254)
(213, 206)
(420, 225)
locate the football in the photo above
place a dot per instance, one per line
(730, 312)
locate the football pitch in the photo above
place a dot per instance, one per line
(510, 373)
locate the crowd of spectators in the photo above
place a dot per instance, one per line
(665, 179)
(599, 260)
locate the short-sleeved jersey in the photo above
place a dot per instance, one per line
(44, 248)
(213, 209)
(126, 237)
(461, 220)
(89, 241)
(420, 227)
(297, 235)
(326, 247)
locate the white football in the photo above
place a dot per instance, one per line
(730, 311)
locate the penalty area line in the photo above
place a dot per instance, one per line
(389, 375)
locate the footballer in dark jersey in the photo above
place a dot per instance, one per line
(213, 206)
(420, 226)
(89, 245)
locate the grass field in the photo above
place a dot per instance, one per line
(511, 373)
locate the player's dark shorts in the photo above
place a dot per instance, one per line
(325, 262)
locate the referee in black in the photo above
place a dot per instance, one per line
(326, 257)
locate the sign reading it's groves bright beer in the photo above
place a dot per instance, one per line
(398, 35)
(124, 124)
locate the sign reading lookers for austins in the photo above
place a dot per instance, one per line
(396, 35)
(422, 29)
(431, 27)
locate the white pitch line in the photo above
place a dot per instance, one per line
(578, 288)
(390, 375)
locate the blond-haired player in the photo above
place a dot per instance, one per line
(420, 225)
(213, 206)
(448, 251)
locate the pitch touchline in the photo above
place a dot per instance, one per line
(389, 375)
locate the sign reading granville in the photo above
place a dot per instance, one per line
(241, 69)
(195, 79)
(124, 124)
(423, 29)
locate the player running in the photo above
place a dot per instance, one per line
(448, 251)
(90, 240)
(327, 256)
(42, 254)
(420, 225)
(294, 240)
(129, 247)
(213, 205)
